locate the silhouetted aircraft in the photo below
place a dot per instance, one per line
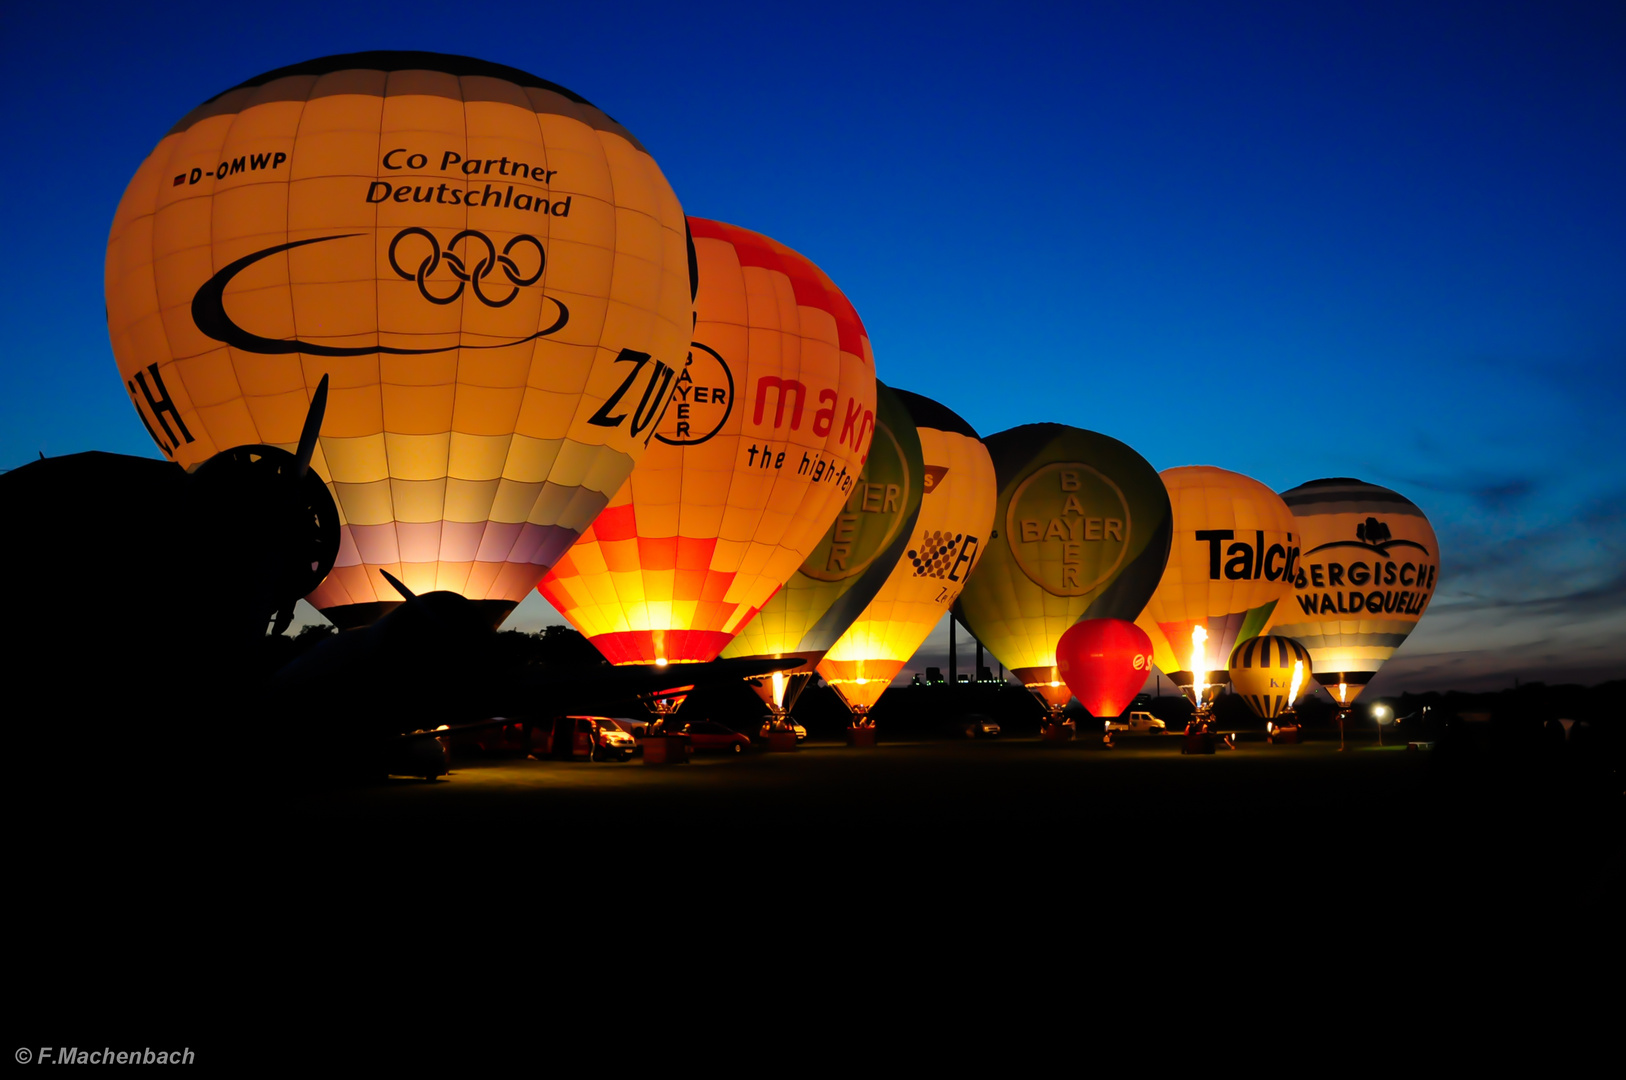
(183, 572)
(377, 696)
(139, 593)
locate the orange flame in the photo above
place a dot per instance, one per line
(1298, 680)
(1199, 663)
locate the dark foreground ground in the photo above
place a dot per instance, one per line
(1032, 849)
(955, 828)
(944, 825)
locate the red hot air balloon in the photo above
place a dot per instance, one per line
(1104, 663)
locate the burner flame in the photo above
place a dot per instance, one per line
(1199, 664)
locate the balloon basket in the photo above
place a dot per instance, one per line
(666, 749)
(781, 742)
(860, 736)
(1057, 733)
(1286, 735)
(1198, 742)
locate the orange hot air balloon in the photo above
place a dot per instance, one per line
(770, 422)
(1235, 551)
(956, 516)
(1104, 662)
(492, 272)
(849, 564)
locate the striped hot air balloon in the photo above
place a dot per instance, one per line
(1270, 672)
(1370, 566)
(492, 272)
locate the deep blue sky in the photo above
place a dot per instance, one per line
(1295, 240)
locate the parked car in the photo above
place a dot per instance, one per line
(977, 726)
(599, 738)
(767, 726)
(710, 735)
(635, 728)
(1136, 723)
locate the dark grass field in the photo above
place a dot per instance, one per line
(1005, 871)
(1139, 832)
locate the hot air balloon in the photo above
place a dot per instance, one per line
(770, 419)
(956, 517)
(1370, 565)
(1269, 672)
(1235, 550)
(493, 273)
(1081, 531)
(848, 565)
(1104, 662)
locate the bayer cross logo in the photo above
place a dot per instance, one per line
(486, 261)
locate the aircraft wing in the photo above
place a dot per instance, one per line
(548, 693)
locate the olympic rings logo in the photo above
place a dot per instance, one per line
(487, 260)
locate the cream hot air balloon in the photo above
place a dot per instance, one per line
(1370, 566)
(1235, 549)
(956, 517)
(492, 272)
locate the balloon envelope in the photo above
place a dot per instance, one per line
(1235, 548)
(1081, 530)
(767, 430)
(956, 516)
(856, 554)
(1370, 566)
(1270, 672)
(493, 272)
(1104, 662)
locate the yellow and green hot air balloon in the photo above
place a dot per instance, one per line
(1081, 531)
(956, 517)
(1235, 549)
(849, 564)
(1370, 566)
(492, 272)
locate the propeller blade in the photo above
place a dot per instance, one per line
(313, 427)
(406, 593)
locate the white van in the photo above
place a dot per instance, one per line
(1136, 723)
